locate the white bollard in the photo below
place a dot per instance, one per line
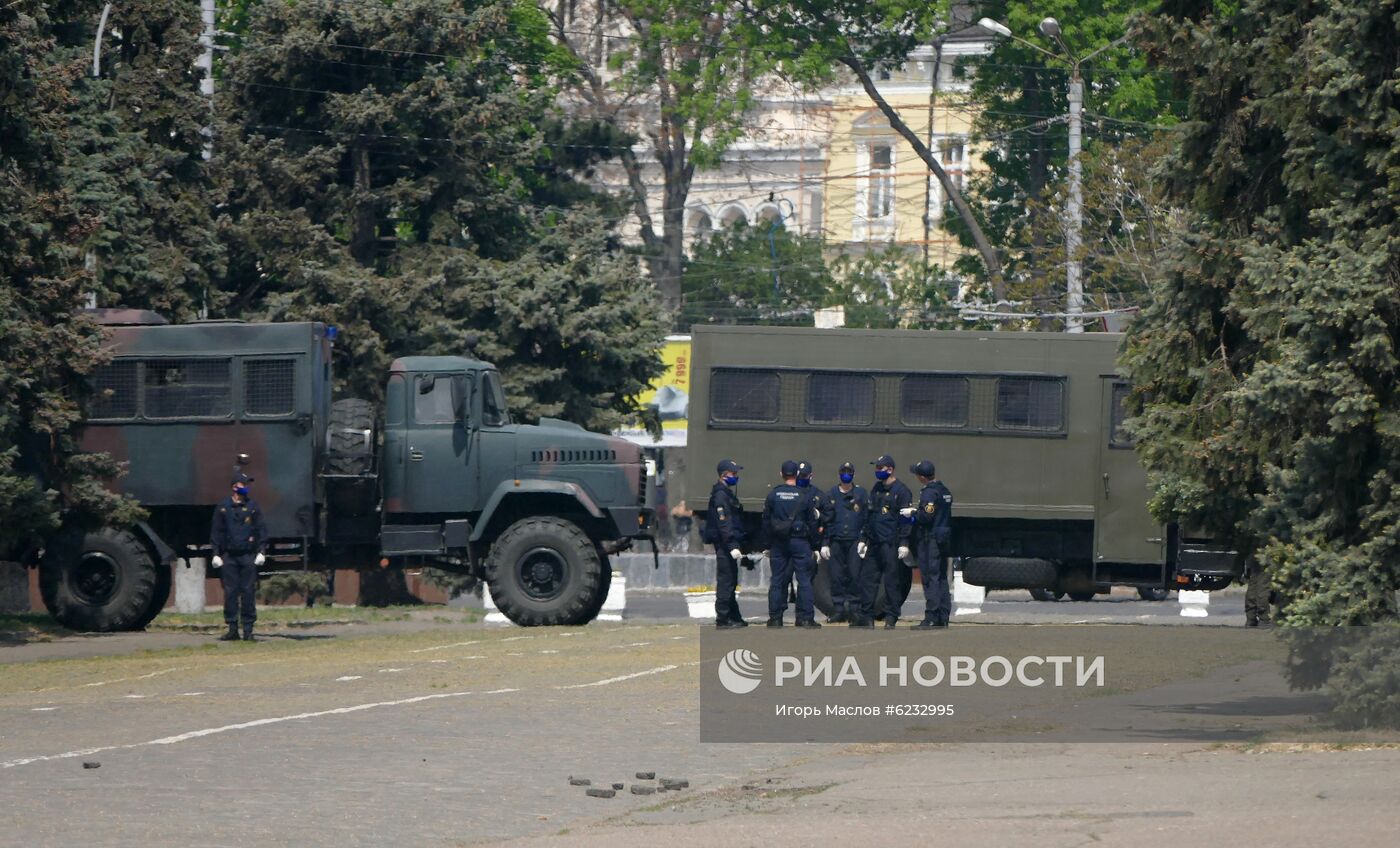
(493, 615)
(1194, 603)
(615, 607)
(189, 586)
(967, 599)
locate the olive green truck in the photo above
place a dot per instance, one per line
(438, 474)
(1025, 428)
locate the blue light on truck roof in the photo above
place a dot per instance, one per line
(331, 333)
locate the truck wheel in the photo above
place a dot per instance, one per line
(604, 586)
(1151, 593)
(546, 571)
(1010, 573)
(100, 581)
(1081, 596)
(159, 596)
(1046, 595)
(349, 452)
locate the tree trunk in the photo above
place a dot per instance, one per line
(989, 254)
(363, 222)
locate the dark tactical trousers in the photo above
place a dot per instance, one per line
(240, 579)
(790, 558)
(726, 581)
(887, 572)
(846, 595)
(1257, 595)
(933, 573)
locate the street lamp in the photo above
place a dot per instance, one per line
(1074, 207)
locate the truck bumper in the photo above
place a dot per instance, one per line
(1197, 559)
(630, 522)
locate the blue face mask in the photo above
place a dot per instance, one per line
(846, 478)
(804, 482)
(882, 474)
(731, 480)
(241, 491)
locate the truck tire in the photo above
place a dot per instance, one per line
(101, 581)
(1152, 593)
(546, 571)
(1081, 596)
(604, 587)
(1046, 595)
(1010, 573)
(159, 597)
(349, 452)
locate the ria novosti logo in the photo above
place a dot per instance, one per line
(740, 671)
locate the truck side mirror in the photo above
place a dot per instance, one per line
(426, 383)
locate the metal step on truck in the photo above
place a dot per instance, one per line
(439, 475)
(1025, 428)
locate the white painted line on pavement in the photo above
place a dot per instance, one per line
(549, 651)
(188, 694)
(632, 645)
(501, 691)
(443, 647)
(134, 697)
(390, 670)
(349, 677)
(516, 638)
(610, 680)
(118, 680)
(44, 709)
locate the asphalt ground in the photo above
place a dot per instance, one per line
(459, 734)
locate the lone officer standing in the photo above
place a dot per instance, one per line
(887, 533)
(850, 506)
(789, 513)
(933, 530)
(238, 536)
(724, 528)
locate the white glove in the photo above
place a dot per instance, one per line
(217, 561)
(907, 511)
(903, 552)
(826, 552)
(861, 548)
(259, 559)
(735, 553)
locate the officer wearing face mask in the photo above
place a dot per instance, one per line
(724, 528)
(789, 512)
(238, 536)
(887, 541)
(850, 506)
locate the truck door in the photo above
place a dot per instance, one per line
(1124, 531)
(437, 447)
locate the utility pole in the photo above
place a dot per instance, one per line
(1074, 213)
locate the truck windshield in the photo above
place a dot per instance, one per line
(493, 402)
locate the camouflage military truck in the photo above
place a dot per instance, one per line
(440, 475)
(1025, 428)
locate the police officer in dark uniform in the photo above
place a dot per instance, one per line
(817, 531)
(238, 535)
(887, 534)
(789, 513)
(932, 533)
(850, 507)
(724, 528)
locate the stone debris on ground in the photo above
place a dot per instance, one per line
(638, 789)
(579, 781)
(646, 775)
(601, 793)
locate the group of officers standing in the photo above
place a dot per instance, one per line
(871, 539)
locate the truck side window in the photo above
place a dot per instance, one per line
(393, 400)
(494, 412)
(1117, 438)
(432, 400)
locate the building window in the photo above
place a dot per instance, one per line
(1030, 403)
(742, 396)
(875, 201)
(933, 401)
(269, 386)
(187, 388)
(847, 399)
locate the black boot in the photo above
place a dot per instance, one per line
(724, 624)
(810, 623)
(775, 621)
(231, 635)
(838, 617)
(926, 624)
(738, 621)
(862, 622)
(248, 635)
(890, 622)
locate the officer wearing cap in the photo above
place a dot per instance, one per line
(850, 507)
(789, 512)
(724, 528)
(818, 530)
(237, 536)
(932, 532)
(887, 542)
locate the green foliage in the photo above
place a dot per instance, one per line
(414, 201)
(1266, 363)
(886, 289)
(1022, 98)
(47, 351)
(280, 588)
(759, 274)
